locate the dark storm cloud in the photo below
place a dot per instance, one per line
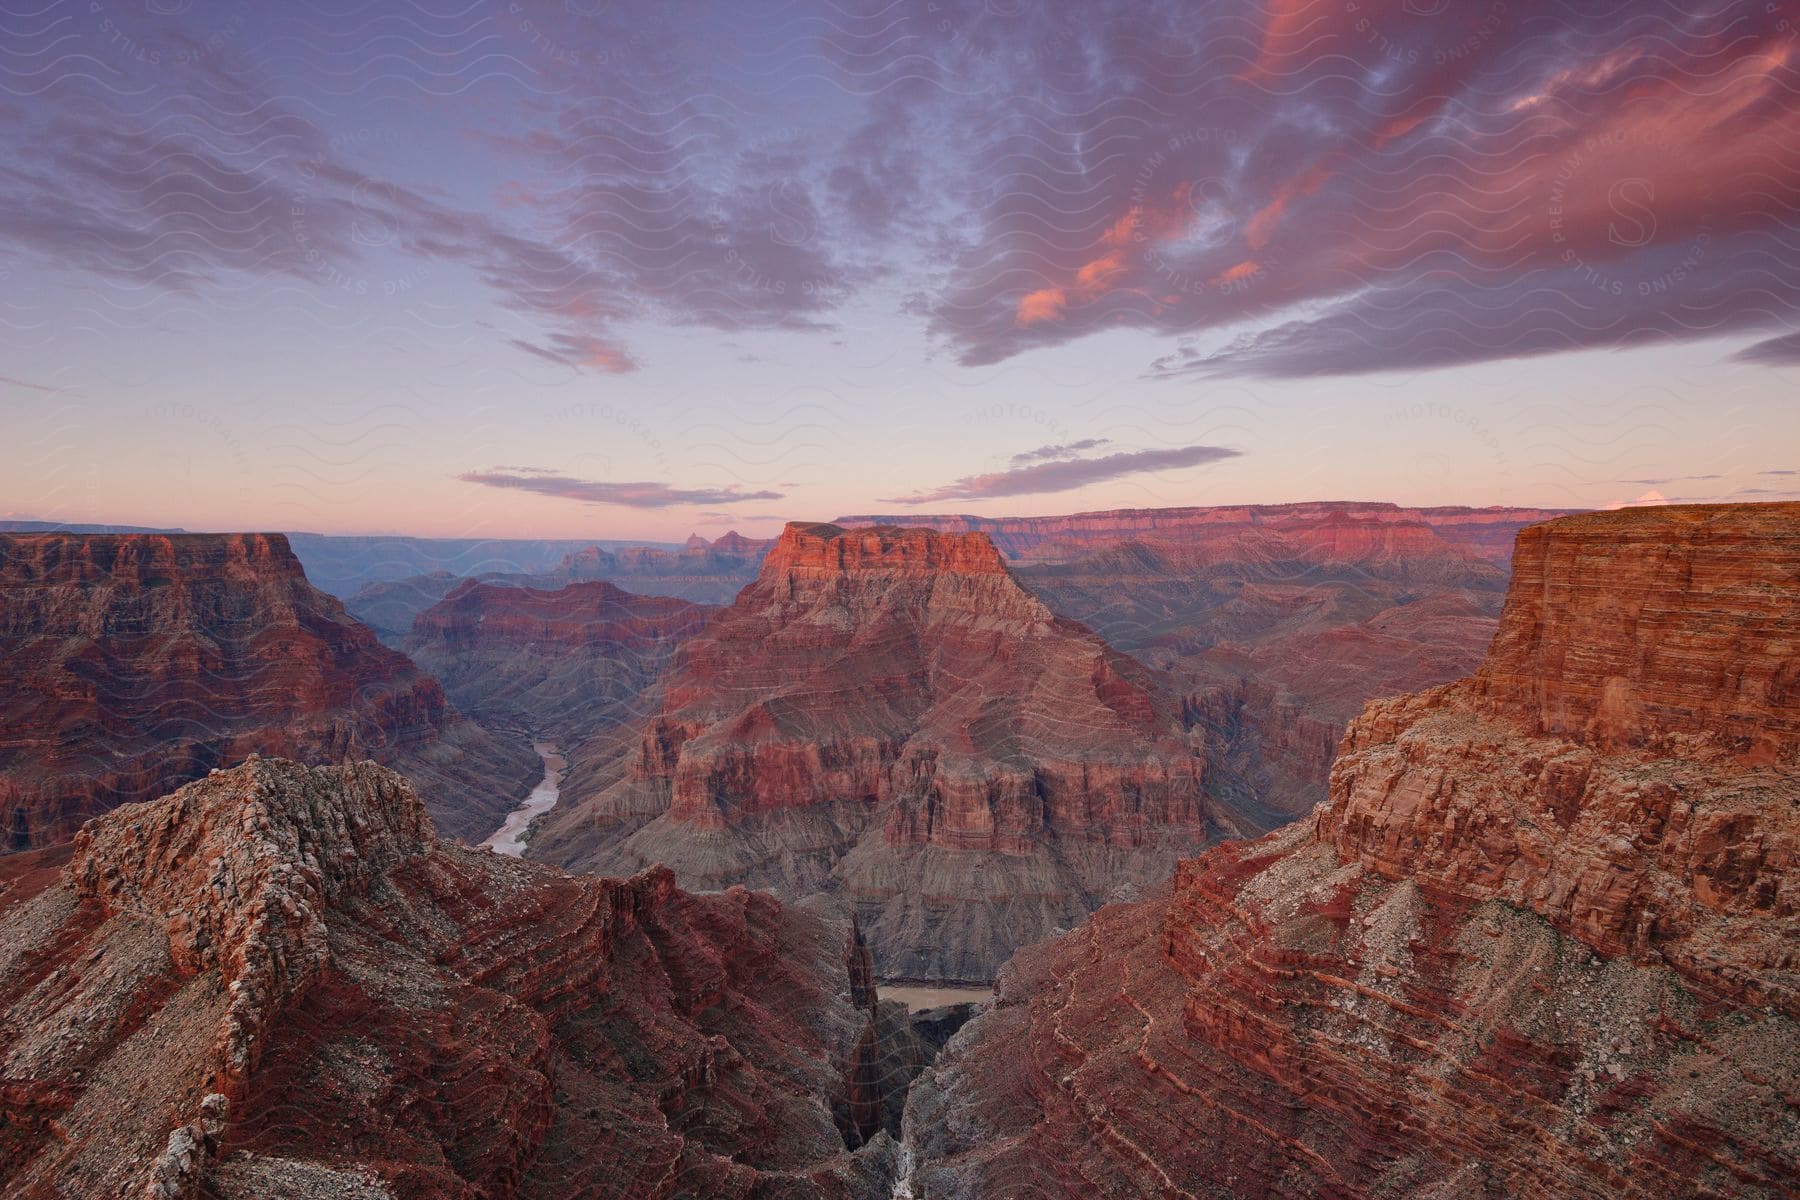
(627, 494)
(1066, 475)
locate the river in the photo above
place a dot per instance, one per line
(510, 837)
(919, 998)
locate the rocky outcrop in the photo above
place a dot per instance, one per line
(1671, 629)
(276, 981)
(242, 866)
(563, 664)
(887, 715)
(1535, 944)
(130, 664)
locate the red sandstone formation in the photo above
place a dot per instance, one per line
(132, 663)
(276, 982)
(562, 664)
(887, 715)
(1542, 941)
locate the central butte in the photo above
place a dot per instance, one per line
(887, 715)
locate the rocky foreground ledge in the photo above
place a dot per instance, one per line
(1542, 941)
(277, 982)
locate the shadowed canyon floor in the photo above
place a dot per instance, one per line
(1540, 941)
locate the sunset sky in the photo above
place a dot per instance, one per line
(573, 268)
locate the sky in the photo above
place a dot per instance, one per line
(571, 268)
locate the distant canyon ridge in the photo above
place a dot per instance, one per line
(973, 730)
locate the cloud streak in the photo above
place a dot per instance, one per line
(1066, 475)
(1782, 351)
(1376, 187)
(624, 494)
(1065, 450)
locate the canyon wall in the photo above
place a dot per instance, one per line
(130, 664)
(563, 664)
(887, 715)
(1281, 622)
(278, 982)
(1540, 940)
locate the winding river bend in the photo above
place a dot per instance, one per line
(510, 837)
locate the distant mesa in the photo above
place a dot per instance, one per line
(1486, 532)
(700, 571)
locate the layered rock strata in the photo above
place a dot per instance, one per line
(1281, 622)
(130, 664)
(562, 664)
(887, 715)
(1540, 941)
(277, 981)
(1485, 532)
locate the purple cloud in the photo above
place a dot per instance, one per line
(1351, 187)
(629, 495)
(1781, 351)
(580, 350)
(1369, 187)
(1066, 450)
(1066, 475)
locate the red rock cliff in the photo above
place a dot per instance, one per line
(276, 982)
(887, 714)
(131, 663)
(1667, 627)
(1520, 952)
